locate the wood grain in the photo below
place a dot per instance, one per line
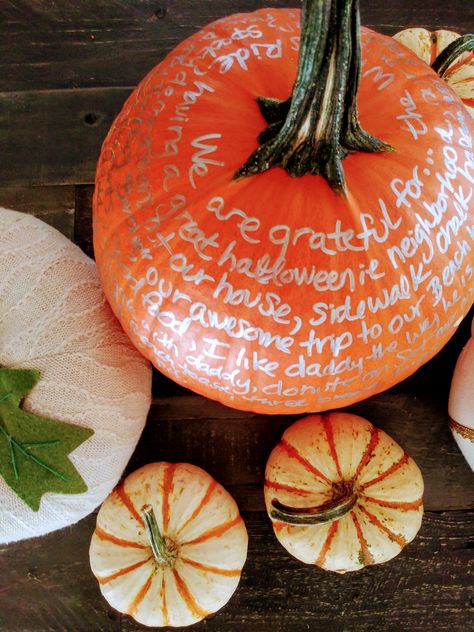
(88, 44)
(83, 219)
(64, 79)
(53, 205)
(429, 586)
(46, 584)
(53, 137)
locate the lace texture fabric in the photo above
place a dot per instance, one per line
(54, 318)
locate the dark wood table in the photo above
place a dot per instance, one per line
(66, 68)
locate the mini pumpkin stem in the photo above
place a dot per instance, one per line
(157, 541)
(344, 500)
(318, 126)
(452, 52)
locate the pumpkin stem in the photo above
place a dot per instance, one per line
(343, 501)
(157, 542)
(318, 126)
(452, 52)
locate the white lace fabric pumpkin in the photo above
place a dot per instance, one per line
(54, 318)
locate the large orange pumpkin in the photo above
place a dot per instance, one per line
(274, 293)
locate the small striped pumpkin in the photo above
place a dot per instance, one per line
(169, 545)
(341, 493)
(427, 45)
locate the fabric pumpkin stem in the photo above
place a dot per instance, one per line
(34, 449)
(314, 130)
(451, 53)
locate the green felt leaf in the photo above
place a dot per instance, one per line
(34, 450)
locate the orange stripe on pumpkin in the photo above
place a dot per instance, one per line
(327, 544)
(140, 596)
(286, 488)
(371, 445)
(332, 445)
(365, 556)
(457, 65)
(392, 504)
(108, 537)
(278, 527)
(461, 81)
(164, 604)
(215, 532)
(433, 48)
(396, 466)
(187, 597)
(294, 454)
(400, 540)
(227, 572)
(122, 571)
(167, 487)
(203, 502)
(126, 500)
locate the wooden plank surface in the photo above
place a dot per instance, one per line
(65, 69)
(90, 44)
(427, 587)
(54, 205)
(54, 136)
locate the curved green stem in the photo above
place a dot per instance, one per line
(318, 126)
(330, 511)
(452, 52)
(157, 541)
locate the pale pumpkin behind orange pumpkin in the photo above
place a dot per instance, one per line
(427, 45)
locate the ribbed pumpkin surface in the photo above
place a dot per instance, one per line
(202, 528)
(316, 455)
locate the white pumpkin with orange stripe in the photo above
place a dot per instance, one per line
(427, 45)
(341, 493)
(169, 545)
